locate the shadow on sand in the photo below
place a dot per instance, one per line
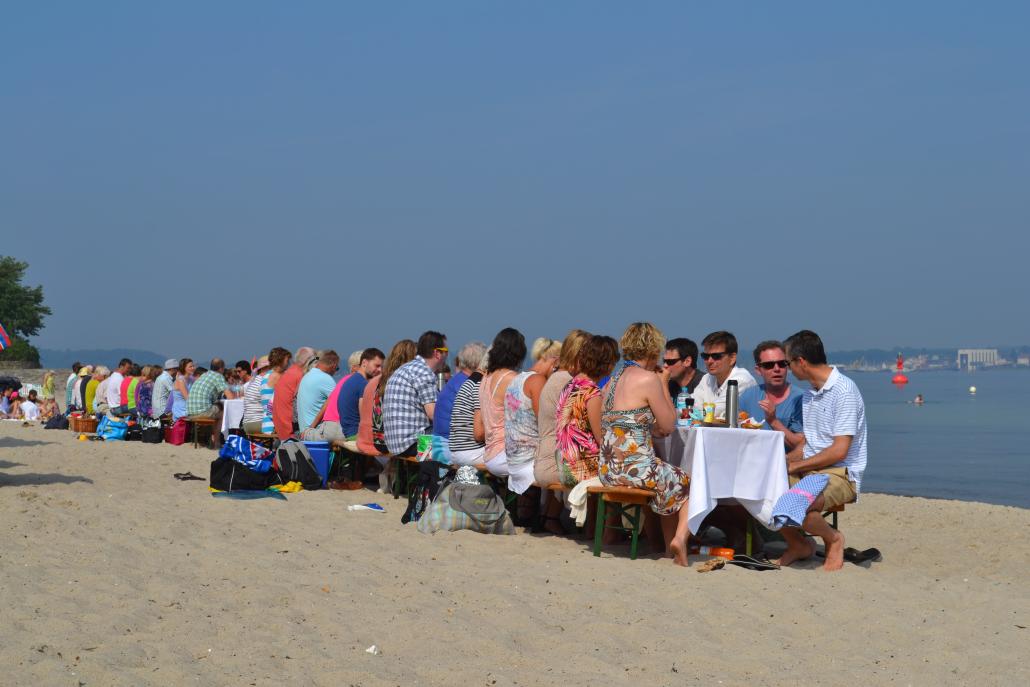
(34, 479)
(14, 442)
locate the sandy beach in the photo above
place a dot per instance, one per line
(115, 573)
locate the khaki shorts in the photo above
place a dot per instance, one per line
(211, 412)
(839, 490)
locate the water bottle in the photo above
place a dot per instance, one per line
(682, 413)
(717, 551)
(732, 403)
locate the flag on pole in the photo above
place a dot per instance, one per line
(5, 341)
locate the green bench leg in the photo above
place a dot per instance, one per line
(599, 526)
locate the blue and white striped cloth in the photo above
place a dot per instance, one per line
(790, 509)
(254, 456)
(837, 409)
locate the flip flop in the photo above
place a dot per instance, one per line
(184, 476)
(857, 557)
(753, 563)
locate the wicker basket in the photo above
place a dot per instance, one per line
(82, 425)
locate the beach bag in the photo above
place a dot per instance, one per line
(229, 475)
(57, 422)
(151, 432)
(427, 484)
(134, 431)
(466, 507)
(112, 430)
(175, 434)
(294, 464)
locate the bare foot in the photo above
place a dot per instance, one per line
(679, 553)
(834, 553)
(797, 553)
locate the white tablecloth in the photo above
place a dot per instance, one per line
(747, 465)
(232, 414)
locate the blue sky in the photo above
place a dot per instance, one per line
(224, 177)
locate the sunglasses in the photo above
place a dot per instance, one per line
(671, 361)
(713, 356)
(770, 364)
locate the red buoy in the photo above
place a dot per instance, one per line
(899, 379)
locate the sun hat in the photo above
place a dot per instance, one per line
(85, 370)
(170, 363)
(261, 363)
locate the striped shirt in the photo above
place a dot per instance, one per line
(836, 410)
(253, 408)
(466, 403)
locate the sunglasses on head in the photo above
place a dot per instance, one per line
(713, 356)
(770, 364)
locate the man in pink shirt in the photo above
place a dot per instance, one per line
(285, 397)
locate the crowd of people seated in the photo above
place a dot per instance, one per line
(583, 408)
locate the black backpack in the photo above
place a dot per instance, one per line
(57, 422)
(427, 485)
(293, 464)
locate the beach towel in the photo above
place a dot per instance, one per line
(254, 456)
(790, 509)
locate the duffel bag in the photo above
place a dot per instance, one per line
(228, 475)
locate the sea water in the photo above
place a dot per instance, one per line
(955, 446)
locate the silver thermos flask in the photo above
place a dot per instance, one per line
(732, 403)
(439, 382)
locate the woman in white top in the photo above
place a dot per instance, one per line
(521, 406)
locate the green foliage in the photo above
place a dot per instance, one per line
(21, 307)
(21, 350)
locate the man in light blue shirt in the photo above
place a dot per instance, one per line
(835, 446)
(775, 400)
(315, 388)
(163, 386)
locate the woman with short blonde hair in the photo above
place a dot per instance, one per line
(636, 405)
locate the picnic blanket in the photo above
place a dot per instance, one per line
(790, 509)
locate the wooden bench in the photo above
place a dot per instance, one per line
(628, 502)
(266, 440)
(197, 423)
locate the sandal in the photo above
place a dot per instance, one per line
(184, 476)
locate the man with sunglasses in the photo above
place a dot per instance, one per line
(681, 362)
(720, 356)
(409, 401)
(775, 400)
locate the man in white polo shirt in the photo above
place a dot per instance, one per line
(833, 415)
(720, 356)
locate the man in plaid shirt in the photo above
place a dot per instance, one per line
(410, 396)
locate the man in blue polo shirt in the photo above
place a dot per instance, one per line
(775, 400)
(833, 414)
(370, 364)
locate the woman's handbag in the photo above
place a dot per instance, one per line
(176, 434)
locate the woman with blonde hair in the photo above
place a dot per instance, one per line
(545, 466)
(637, 404)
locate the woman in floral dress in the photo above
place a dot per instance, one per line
(637, 404)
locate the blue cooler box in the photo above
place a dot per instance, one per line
(319, 451)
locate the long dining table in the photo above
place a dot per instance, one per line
(747, 466)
